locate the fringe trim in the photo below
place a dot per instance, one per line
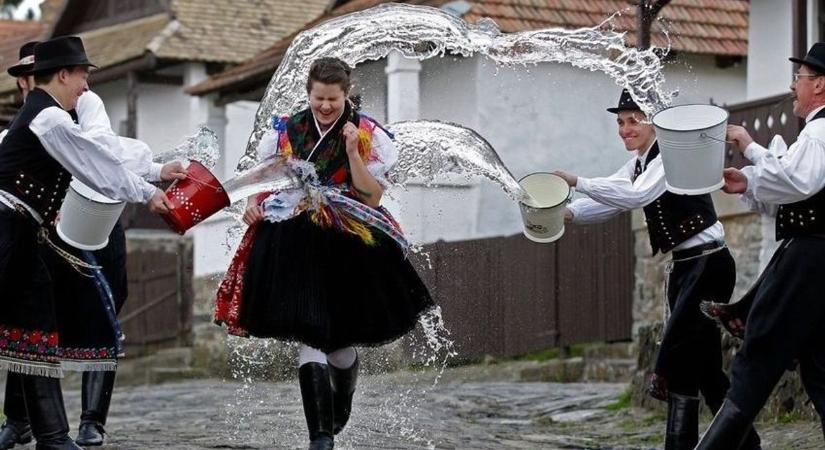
(39, 369)
(76, 365)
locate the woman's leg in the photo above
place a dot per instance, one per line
(344, 373)
(316, 394)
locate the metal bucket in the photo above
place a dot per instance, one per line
(87, 217)
(194, 198)
(692, 144)
(543, 214)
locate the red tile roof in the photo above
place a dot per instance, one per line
(717, 27)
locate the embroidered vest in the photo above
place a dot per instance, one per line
(26, 169)
(673, 219)
(805, 217)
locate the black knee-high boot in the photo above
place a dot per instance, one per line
(343, 389)
(728, 429)
(47, 415)
(682, 422)
(752, 440)
(316, 393)
(96, 397)
(16, 430)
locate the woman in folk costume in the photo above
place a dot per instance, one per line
(328, 271)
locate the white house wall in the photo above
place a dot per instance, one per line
(770, 34)
(544, 118)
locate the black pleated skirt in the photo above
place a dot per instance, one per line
(328, 289)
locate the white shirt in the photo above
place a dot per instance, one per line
(611, 195)
(796, 176)
(134, 154)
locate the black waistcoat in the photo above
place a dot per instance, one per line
(805, 217)
(26, 170)
(672, 218)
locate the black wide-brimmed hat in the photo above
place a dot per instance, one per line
(626, 103)
(57, 53)
(26, 62)
(815, 59)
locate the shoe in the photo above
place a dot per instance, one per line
(316, 394)
(343, 389)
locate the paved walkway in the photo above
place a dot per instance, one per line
(399, 411)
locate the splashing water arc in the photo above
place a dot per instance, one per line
(422, 32)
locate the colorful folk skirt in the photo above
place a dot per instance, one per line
(53, 317)
(296, 281)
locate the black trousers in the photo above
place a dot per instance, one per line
(785, 323)
(690, 356)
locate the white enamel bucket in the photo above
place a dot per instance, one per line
(87, 217)
(543, 215)
(692, 144)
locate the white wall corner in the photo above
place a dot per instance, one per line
(217, 121)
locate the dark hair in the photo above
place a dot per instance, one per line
(329, 71)
(46, 77)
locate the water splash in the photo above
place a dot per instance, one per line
(427, 149)
(423, 32)
(201, 146)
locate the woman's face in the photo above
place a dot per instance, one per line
(326, 102)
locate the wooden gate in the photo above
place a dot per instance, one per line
(158, 312)
(509, 296)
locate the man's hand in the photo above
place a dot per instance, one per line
(159, 203)
(735, 181)
(739, 137)
(568, 215)
(569, 178)
(172, 171)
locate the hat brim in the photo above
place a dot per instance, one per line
(623, 108)
(819, 67)
(52, 65)
(20, 70)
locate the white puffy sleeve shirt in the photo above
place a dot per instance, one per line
(796, 176)
(86, 158)
(619, 192)
(134, 154)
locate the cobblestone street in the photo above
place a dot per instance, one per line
(401, 411)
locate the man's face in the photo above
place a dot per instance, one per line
(75, 82)
(805, 86)
(635, 131)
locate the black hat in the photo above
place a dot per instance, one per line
(64, 51)
(26, 63)
(815, 59)
(626, 103)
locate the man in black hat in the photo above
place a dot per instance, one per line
(22, 70)
(94, 334)
(40, 153)
(785, 322)
(690, 356)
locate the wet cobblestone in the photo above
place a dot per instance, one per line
(400, 411)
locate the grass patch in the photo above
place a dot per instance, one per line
(550, 354)
(623, 402)
(790, 417)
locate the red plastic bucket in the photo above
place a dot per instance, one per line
(194, 198)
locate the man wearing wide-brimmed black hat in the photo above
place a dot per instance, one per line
(689, 360)
(82, 320)
(43, 149)
(785, 321)
(22, 70)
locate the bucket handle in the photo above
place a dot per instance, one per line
(705, 135)
(205, 183)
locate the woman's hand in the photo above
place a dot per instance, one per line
(350, 133)
(254, 213)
